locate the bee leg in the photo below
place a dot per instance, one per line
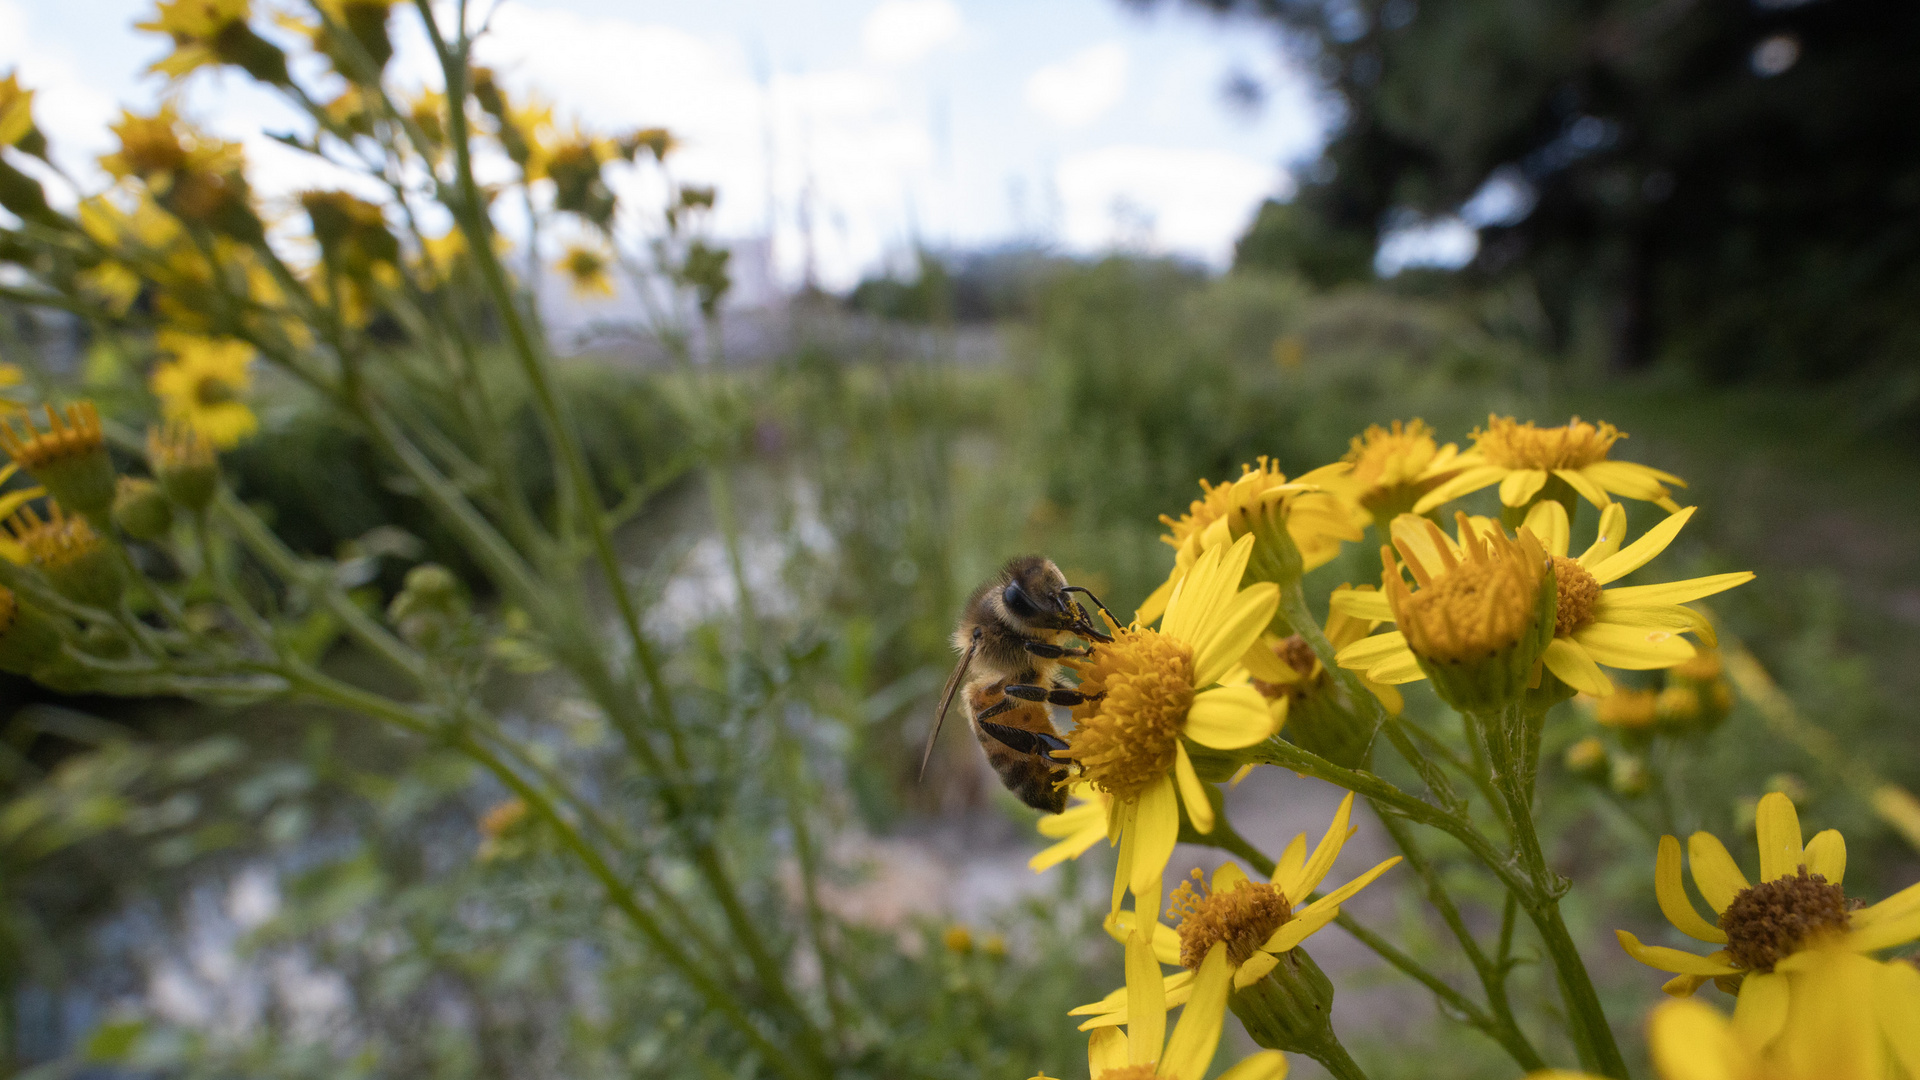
(1055, 652)
(1027, 742)
(1005, 704)
(1054, 696)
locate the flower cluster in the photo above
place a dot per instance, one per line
(1226, 668)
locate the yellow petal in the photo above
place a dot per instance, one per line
(1364, 605)
(1641, 551)
(1156, 826)
(1548, 520)
(1574, 667)
(1106, 1049)
(1714, 872)
(1520, 485)
(1466, 483)
(1291, 860)
(1155, 605)
(1301, 927)
(1898, 990)
(1265, 1065)
(1612, 532)
(1369, 651)
(1264, 664)
(1672, 894)
(1228, 718)
(1207, 588)
(1071, 848)
(1236, 627)
(1674, 960)
(1901, 903)
(1633, 648)
(1632, 479)
(1681, 986)
(1193, 794)
(1673, 592)
(1120, 830)
(1827, 856)
(1255, 969)
(1579, 481)
(1335, 898)
(1778, 827)
(1884, 933)
(1190, 1051)
(1689, 1040)
(1761, 1011)
(1146, 1001)
(1297, 888)
(1402, 667)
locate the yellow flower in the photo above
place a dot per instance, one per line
(201, 386)
(1288, 670)
(1389, 469)
(1315, 520)
(1636, 628)
(1797, 906)
(1256, 921)
(211, 32)
(16, 116)
(1152, 691)
(1521, 458)
(1138, 1053)
(1076, 828)
(1835, 1025)
(586, 268)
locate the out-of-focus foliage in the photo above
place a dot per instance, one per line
(1726, 186)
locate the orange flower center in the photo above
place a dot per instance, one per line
(1243, 918)
(1476, 607)
(1775, 919)
(1143, 685)
(1578, 592)
(1514, 445)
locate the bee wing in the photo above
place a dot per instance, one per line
(946, 698)
(1027, 742)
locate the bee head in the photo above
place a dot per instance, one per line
(1035, 594)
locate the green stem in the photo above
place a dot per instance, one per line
(1334, 1058)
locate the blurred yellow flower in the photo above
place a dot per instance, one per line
(16, 115)
(1144, 1051)
(202, 385)
(1521, 458)
(586, 268)
(1389, 469)
(208, 33)
(1155, 689)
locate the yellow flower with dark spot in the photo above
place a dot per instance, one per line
(1256, 921)
(1156, 689)
(586, 268)
(1798, 905)
(1522, 458)
(1636, 628)
(202, 385)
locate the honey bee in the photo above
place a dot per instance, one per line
(1010, 637)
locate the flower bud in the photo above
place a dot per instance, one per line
(1291, 1008)
(428, 607)
(76, 561)
(69, 458)
(1588, 759)
(184, 461)
(1629, 778)
(141, 510)
(28, 639)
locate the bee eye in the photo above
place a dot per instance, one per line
(1018, 602)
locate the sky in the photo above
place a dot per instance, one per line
(869, 126)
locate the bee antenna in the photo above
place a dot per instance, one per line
(1096, 602)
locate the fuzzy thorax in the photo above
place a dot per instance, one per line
(1142, 684)
(1242, 918)
(1574, 445)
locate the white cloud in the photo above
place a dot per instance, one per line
(1445, 242)
(71, 110)
(1190, 202)
(900, 32)
(1080, 89)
